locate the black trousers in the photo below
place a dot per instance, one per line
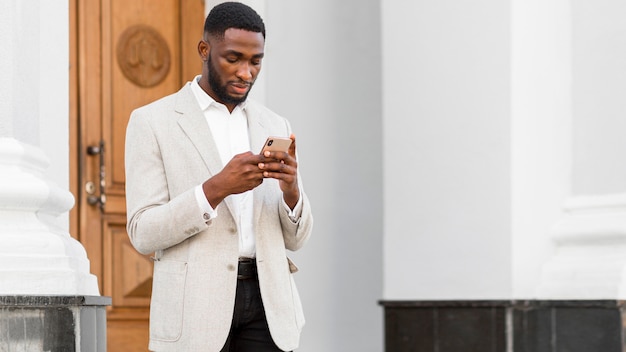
(249, 331)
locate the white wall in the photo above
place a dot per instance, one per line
(447, 149)
(322, 68)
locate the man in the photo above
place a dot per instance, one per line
(218, 216)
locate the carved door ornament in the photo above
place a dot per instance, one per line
(143, 55)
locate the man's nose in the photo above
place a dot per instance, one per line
(244, 72)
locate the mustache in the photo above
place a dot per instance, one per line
(242, 82)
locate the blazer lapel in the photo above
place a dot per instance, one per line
(257, 132)
(193, 122)
(258, 135)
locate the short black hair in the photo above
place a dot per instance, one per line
(233, 15)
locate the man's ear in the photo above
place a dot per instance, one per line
(203, 49)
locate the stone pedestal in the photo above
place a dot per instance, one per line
(53, 323)
(504, 326)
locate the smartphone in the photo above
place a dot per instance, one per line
(276, 144)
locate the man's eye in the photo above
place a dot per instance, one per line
(231, 59)
(256, 62)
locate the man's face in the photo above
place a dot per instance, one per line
(233, 64)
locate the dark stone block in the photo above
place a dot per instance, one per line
(504, 326)
(479, 329)
(445, 327)
(53, 323)
(532, 330)
(410, 330)
(589, 329)
(59, 330)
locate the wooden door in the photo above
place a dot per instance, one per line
(123, 54)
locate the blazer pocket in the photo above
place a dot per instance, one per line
(167, 304)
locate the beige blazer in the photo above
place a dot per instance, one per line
(169, 151)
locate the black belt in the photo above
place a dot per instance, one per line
(247, 269)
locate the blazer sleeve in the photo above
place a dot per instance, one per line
(297, 233)
(155, 221)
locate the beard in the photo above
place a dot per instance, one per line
(219, 88)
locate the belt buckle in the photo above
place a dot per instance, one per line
(246, 268)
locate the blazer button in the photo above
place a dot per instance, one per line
(231, 267)
(233, 231)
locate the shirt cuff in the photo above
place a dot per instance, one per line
(208, 213)
(295, 213)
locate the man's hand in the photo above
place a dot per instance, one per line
(283, 167)
(241, 174)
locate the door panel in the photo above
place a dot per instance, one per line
(123, 54)
(128, 273)
(143, 41)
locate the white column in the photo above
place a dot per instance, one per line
(590, 256)
(37, 255)
(541, 132)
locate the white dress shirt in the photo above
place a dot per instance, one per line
(230, 134)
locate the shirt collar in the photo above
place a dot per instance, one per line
(205, 100)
